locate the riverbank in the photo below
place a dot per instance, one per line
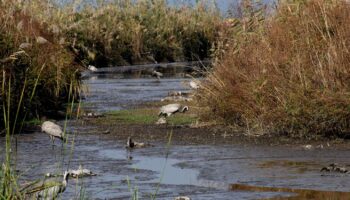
(186, 129)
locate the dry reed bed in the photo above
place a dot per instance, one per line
(44, 73)
(288, 73)
(37, 78)
(127, 32)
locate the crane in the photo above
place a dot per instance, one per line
(50, 190)
(80, 172)
(130, 144)
(157, 74)
(171, 109)
(53, 130)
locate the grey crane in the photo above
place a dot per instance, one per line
(157, 74)
(194, 85)
(130, 144)
(92, 68)
(25, 45)
(41, 40)
(51, 189)
(171, 109)
(80, 172)
(53, 130)
(182, 198)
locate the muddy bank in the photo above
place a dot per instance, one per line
(192, 134)
(295, 194)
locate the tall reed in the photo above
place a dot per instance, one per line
(287, 73)
(37, 75)
(131, 32)
(41, 71)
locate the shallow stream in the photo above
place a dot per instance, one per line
(199, 171)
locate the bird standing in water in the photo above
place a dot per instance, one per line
(130, 144)
(92, 68)
(53, 130)
(50, 190)
(157, 74)
(80, 172)
(194, 85)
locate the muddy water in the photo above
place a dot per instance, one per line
(201, 171)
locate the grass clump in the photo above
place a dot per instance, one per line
(146, 116)
(285, 73)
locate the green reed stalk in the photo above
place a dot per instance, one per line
(32, 95)
(154, 195)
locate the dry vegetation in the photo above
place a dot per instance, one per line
(61, 40)
(127, 32)
(37, 72)
(288, 73)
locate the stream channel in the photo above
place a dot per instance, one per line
(198, 171)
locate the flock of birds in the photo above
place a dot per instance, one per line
(50, 190)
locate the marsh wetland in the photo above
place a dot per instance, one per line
(217, 166)
(161, 99)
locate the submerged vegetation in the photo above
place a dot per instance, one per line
(287, 72)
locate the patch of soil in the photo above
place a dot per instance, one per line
(214, 135)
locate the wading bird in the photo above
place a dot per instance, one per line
(50, 190)
(80, 172)
(194, 85)
(53, 130)
(171, 109)
(182, 198)
(131, 144)
(25, 45)
(41, 40)
(157, 74)
(174, 93)
(92, 68)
